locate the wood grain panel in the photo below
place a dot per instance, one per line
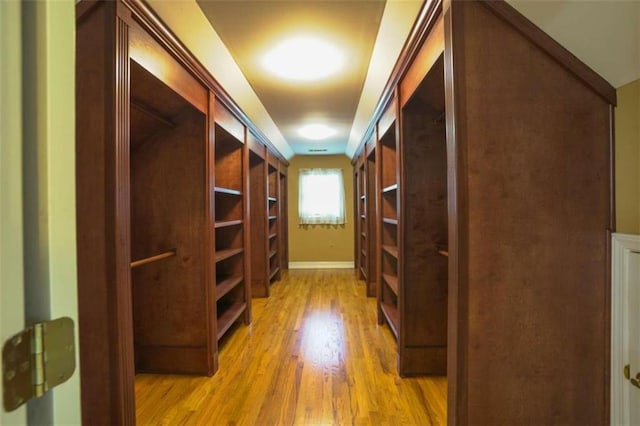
(537, 320)
(424, 287)
(150, 54)
(169, 212)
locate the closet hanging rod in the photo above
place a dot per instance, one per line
(152, 259)
(152, 113)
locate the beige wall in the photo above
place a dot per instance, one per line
(627, 161)
(320, 243)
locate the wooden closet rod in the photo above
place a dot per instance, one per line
(152, 259)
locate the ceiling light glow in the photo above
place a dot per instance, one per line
(303, 59)
(316, 131)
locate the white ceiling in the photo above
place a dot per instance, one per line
(605, 34)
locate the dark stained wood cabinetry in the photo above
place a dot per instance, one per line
(163, 198)
(168, 215)
(493, 245)
(230, 192)
(259, 221)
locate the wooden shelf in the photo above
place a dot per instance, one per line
(392, 250)
(273, 235)
(364, 274)
(272, 199)
(274, 272)
(390, 312)
(153, 259)
(392, 282)
(226, 223)
(390, 188)
(225, 254)
(273, 217)
(230, 315)
(364, 253)
(363, 216)
(227, 191)
(225, 284)
(272, 253)
(390, 221)
(363, 235)
(444, 253)
(363, 197)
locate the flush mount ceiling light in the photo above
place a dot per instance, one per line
(303, 59)
(316, 131)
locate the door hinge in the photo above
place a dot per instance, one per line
(37, 359)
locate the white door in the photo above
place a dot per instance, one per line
(625, 342)
(37, 184)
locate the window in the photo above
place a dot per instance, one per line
(321, 197)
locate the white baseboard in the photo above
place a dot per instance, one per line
(321, 265)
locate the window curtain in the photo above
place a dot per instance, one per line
(321, 197)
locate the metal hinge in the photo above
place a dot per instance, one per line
(37, 359)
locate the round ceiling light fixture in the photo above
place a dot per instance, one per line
(316, 131)
(303, 58)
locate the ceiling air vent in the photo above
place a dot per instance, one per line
(317, 150)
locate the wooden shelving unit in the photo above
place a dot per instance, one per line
(167, 160)
(259, 221)
(388, 205)
(363, 224)
(274, 219)
(475, 142)
(413, 227)
(231, 256)
(371, 229)
(283, 248)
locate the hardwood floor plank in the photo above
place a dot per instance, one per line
(313, 355)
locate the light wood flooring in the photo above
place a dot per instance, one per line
(314, 355)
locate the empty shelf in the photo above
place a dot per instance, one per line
(274, 272)
(273, 217)
(225, 284)
(364, 274)
(390, 312)
(390, 188)
(273, 199)
(227, 191)
(273, 235)
(392, 282)
(444, 253)
(226, 223)
(392, 250)
(225, 254)
(273, 253)
(390, 221)
(230, 315)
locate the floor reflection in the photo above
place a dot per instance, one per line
(323, 339)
